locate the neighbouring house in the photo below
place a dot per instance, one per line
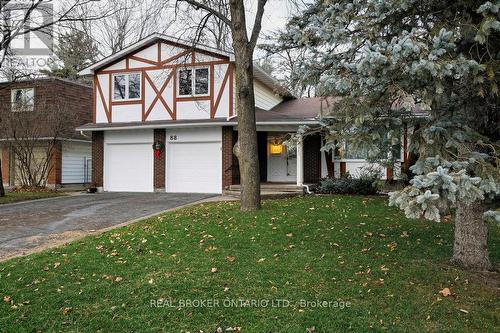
(164, 119)
(38, 142)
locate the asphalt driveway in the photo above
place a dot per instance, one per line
(33, 225)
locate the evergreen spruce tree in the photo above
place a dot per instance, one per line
(431, 66)
(75, 51)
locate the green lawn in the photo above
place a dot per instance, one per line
(345, 249)
(11, 197)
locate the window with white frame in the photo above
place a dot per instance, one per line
(193, 81)
(23, 99)
(126, 86)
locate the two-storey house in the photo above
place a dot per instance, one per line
(164, 119)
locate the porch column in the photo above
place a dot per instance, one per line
(300, 162)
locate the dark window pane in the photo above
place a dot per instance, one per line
(18, 99)
(119, 87)
(201, 81)
(185, 82)
(134, 86)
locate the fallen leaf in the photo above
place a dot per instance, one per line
(57, 264)
(214, 270)
(445, 292)
(66, 311)
(230, 258)
(261, 259)
(464, 311)
(7, 298)
(289, 235)
(118, 279)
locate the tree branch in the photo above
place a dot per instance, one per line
(257, 26)
(198, 5)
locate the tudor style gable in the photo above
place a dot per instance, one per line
(164, 80)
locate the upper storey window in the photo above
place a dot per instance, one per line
(193, 81)
(23, 99)
(126, 86)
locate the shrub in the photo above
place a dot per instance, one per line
(366, 184)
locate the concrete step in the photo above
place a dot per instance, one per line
(273, 188)
(267, 194)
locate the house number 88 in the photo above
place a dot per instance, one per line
(173, 137)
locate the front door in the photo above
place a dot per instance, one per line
(281, 162)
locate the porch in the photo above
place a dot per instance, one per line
(283, 170)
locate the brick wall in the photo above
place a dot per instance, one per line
(97, 158)
(227, 156)
(312, 159)
(159, 163)
(59, 95)
(5, 156)
(55, 165)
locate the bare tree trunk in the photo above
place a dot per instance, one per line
(247, 152)
(2, 190)
(470, 250)
(243, 47)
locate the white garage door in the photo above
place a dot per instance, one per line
(128, 167)
(194, 167)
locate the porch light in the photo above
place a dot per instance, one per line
(276, 148)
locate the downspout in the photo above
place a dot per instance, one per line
(307, 188)
(85, 135)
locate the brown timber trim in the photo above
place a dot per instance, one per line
(231, 84)
(144, 60)
(175, 57)
(103, 101)
(223, 59)
(174, 95)
(110, 108)
(158, 55)
(213, 99)
(163, 66)
(212, 88)
(94, 97)
(158, 95)
(221, 91)
(143, 91)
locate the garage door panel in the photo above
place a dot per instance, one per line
(194, 167)
(129, 168)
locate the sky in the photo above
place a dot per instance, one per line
(275, 17)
